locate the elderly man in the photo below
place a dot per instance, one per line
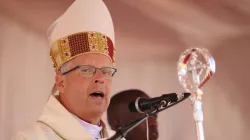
(82, 50)
(119, 114)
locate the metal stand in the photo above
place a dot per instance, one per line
(198, 118)
(195, 67)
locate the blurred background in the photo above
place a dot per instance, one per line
(150, 36)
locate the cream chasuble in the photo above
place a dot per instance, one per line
(56, 123)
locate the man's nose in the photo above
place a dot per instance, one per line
(99, 78)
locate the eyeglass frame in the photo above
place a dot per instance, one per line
(78, 66)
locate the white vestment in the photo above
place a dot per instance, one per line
(57, 123)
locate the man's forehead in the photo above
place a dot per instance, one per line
(93, 59)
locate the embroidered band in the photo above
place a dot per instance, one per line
(67, 48)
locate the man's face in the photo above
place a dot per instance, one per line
(81, 91)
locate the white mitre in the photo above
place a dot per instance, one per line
(85, 27)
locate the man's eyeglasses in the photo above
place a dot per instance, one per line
(89, 71)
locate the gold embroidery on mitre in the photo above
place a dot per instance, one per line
(69, 47)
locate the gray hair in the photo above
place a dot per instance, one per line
(65, 67)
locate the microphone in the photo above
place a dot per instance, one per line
(168, 100)
(142, 104)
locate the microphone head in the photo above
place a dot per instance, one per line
(132, 107)
(135, 106)
(142, 104)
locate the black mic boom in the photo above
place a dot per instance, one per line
(142, 104)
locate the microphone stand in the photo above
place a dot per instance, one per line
(123, 131)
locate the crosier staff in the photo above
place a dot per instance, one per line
(195, 67)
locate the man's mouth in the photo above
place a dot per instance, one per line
(97, 94)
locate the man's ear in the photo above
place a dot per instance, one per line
(60, 84)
